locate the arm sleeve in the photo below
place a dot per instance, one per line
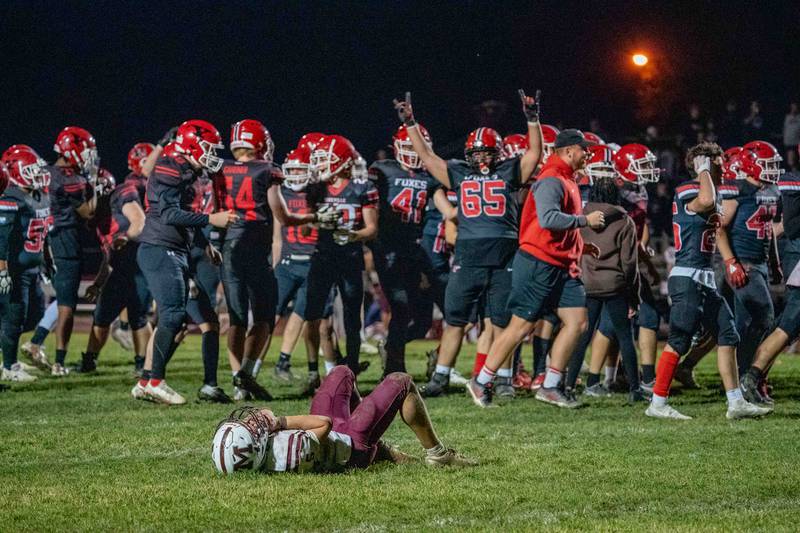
(8, 218)
(171, 213)
(548, 195)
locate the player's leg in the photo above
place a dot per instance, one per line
(337, 396)
(139, 305)
(262, 295)
(394, 273)
(201, 310)
(351, 289)
(648, 320)
(542, 340)
(289, 278)
(13, 307)
(757, 301)
(496, 308)
(618, 312)
(594, 307)
(319, 282)
(66, 283)
(36, 316)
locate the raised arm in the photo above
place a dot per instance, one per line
(706, 199)
(433, 163)
(533, 155)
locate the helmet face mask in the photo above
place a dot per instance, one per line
(404, 149)
(637, 164)
(331, 157)
(360, 171)
(645, 169)
(296, 169)
(78, 148)
(241, 441)
(209, 159)
(25, 168)
(483, 149)
(600, 163)
(199, 141)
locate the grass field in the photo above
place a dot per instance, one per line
(79, 454)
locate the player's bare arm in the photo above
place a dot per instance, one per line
(135, 215)
(433, 163)
(370, 229)
(448, 210)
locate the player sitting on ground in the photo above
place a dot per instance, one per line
(342, 431)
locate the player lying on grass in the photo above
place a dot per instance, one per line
(342, 431)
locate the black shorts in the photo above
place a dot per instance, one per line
(291, 277)
(539, 287)
(126, 288)
(249, 282)
(695, 305)
(343, 271)
(789, 321)
(468, 285)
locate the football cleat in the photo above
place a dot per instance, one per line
(138, 392)
(212, 394)
(481, 394)
(456, 378)
(311, 385)
(368, 349)
(647, 386)
(58, 370)
(284, 372)
(436, 386)
(764, 388)
(16, 373)
(749, 388)
(138, 366)
(88, 365)
(123, 337)
(163, 393)
(246, 382)
(554, 396)
(504, 388)
(36, 355)
(665, 411)
(638, 395)
(450, 457)
(240, 395)
(741, 408)
(598, 390)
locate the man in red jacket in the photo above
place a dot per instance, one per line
(545, 270)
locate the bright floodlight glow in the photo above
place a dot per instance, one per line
(639, 60)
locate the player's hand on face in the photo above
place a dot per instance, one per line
(701, 163)
(223, 219)
(213, 254)
(596, 220)
(404, 110)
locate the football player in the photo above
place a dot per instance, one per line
(342, 431)
(545, 270)
(24, 222)
(120, 284)
(488, 222)
(788, 326)
(404, 188)
(73, 179)
(170, 226)
(692, 288)
(339, 258)
(745, 240)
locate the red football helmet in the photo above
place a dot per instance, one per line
(137, 155)
(404, 150)
(296, 171)
(761, 160)
(25, 168)
(78, 148)
(732, 164)
(334, 154)
(593, 137)
(549, 134)
(515, 145)
(483, 149)
(199, 141)
(252, 134)
(637, 164)
(600, 163)
(171, 150)
(310, 140)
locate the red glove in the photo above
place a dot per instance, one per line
(735, 273)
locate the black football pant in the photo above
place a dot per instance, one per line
(14, 309)
(754, 315)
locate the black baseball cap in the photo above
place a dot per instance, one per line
(571, 137)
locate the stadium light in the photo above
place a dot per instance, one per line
(639, 60)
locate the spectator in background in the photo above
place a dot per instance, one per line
(729, 126)
(754, 127)
(694, 130)
(660, 211)
(381, 154)
(597, 128)
(791, 136)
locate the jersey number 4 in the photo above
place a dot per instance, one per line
(410, 205)
(483, 197)
(761, 221)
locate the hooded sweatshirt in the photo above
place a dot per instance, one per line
(615, 272)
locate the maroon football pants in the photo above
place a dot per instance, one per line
(364, 422)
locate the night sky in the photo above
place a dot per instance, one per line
(127, 71)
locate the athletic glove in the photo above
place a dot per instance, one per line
(5, 282)
(701, 163)
(343, 236)
(326, 216)
(735, 273)
(404, 110)
(530, 106)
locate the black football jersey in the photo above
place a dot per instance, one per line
(170, 220)
(68, 190)
(243, 188)
(488, 212)
(297, 240)
(24, 223)
(140, 182)
(789, 186)
(112, 222)
(694, 234)
(349, 199)
(404, 196)
(751, 228)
